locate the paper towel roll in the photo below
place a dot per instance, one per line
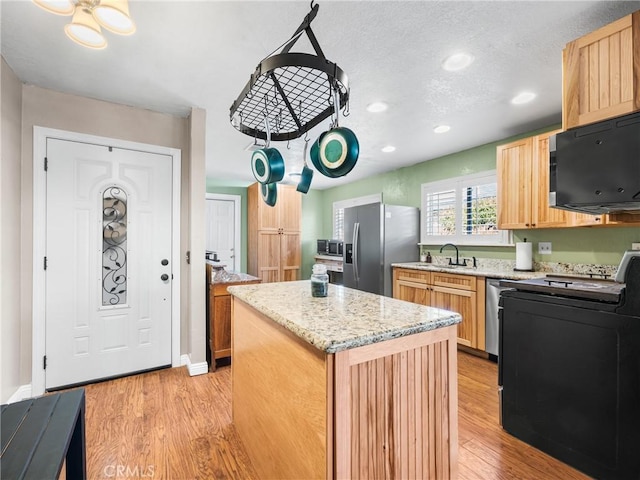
(524, 256)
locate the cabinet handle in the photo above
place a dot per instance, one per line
(526, 224)
(533, 224)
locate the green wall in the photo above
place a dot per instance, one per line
(602, 245)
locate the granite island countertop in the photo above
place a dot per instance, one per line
(345, 319)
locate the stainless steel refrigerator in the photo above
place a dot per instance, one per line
(375, 236)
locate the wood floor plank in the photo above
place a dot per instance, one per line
(168, 425)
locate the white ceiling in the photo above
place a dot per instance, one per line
(201, 54)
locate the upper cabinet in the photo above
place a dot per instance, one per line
(601, 73)
(274, 236)
(523, 185)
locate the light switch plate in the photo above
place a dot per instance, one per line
(635, 246)
(544, 248)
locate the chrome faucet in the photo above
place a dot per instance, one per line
(457, 262)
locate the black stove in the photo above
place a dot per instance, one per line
(569, 369)
(572, 287)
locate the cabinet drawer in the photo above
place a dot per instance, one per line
(413, 276)
(459, 282)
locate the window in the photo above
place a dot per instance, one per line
(338, 211)
(462, 210)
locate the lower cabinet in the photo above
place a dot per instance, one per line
(463, 294)
(219, 315)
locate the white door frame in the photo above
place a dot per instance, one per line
(40, 135)
(237, 200)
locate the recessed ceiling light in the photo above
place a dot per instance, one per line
(377, 107)
(457, 61)
(442, 128)
(524, 97)
(389, 149)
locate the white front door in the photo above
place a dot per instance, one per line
(222, 231)
(108, 256)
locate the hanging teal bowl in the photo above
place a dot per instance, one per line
(314, 155)
(269, 193)
(305, 180)
(267, 165)
(338, 152)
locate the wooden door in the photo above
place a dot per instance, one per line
(514, 184)
(458, 294)
(543, 216)
(584, 219)
(290, 256)
(600, 73)
(289, 208)
(268, 253)
(462, 302)
(411, 286)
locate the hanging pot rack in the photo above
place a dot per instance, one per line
(293, 91)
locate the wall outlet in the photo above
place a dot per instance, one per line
(635, 246)
(544, 248)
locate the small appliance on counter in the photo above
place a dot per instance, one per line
(569, 368)
(329, 247)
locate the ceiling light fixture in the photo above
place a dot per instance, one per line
(457, 61)
(524, 97)
(89, 16)
(442, 128)
(377, 107)
(389, 149)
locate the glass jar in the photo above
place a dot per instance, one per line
(319, 281)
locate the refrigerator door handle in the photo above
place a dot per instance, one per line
(356, 234)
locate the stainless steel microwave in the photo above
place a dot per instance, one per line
(330, 247)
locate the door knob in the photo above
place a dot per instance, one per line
(165, 262)
(164, 277)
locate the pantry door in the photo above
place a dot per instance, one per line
(108, 270)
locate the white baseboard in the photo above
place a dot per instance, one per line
(194, 368)
(23, 392)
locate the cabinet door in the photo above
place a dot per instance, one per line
(462, 302)
(289, 208)
(221, 331)
(599, 70)
(543, 216)
(584, 219)
(514, 184)
(290, 256)
(268, 256)
(411, 286)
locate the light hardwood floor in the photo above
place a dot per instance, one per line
(167, 425)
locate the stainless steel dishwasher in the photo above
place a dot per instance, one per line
(491, 316)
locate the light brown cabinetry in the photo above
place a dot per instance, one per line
(274, 237)
(463, 294)
(523, 185)
(601, 73)
(219, 317)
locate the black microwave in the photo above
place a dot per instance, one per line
(330, 247)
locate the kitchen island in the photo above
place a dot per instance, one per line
(353, 385)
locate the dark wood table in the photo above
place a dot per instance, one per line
(39, 434)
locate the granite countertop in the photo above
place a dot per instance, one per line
(345, 319)
(230, 276)
(481, 271)
(504, 269)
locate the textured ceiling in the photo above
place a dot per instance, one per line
(201, 54)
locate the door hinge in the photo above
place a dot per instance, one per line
(45, 263)
(44, 362)
(46, 164)
(188, 257)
